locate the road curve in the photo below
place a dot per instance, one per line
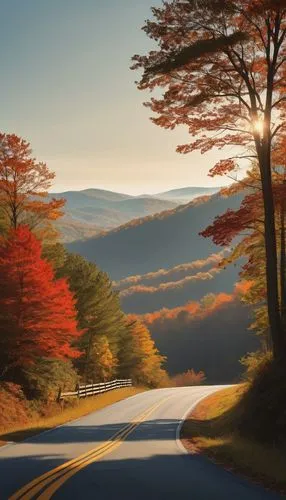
(125, 451)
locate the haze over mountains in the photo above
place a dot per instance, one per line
(91, 211)
(172, 278)
(164, 240)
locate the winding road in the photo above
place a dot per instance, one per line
(126, 451)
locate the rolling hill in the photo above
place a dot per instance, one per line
(166, 273)
(164, 240)
(91, 211)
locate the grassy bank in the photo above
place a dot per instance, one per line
(21, 420)
(211, 429)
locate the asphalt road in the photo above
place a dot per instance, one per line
(126, 451)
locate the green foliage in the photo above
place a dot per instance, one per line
(55, 253)
(44, 379)
(99, 312)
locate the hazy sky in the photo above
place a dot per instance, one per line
(66, 86)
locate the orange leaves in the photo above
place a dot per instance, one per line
(196, 311)
(190, 377)
(210, 70)
(222, 167)
(23, 185)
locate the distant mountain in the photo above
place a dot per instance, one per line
(90, 211)
(186, 194)
(164, 240)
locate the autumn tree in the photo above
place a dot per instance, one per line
(247, 222)
(37, 312)
(221, 66)
(98, 311)
(24, 183)
(101, 364)
(139, 358)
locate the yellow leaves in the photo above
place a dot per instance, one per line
(101, 364)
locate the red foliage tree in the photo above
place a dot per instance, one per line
(37, 312)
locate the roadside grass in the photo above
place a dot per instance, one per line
(58, 415)
(212, 430)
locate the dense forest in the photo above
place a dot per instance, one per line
(60, 318)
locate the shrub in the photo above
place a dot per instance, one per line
(190, 377)
(254, 363)
(43, 380)
(13, 406)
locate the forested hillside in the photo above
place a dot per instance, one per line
(211, 335)
(61, 321)
(178, 283)
(165, 240)
(91, 211)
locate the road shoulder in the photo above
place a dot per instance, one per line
(209, 429)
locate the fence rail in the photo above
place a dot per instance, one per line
(83, 391)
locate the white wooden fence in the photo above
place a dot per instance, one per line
(83, 391)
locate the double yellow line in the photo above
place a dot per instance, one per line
(51, 481)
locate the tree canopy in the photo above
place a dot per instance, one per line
(220, 67)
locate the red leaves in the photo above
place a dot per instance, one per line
(230, 224)
(227, 226)
(38, 317)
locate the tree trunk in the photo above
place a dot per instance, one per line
(271, 256)
(283, 264)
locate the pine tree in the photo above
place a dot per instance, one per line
(98, 306)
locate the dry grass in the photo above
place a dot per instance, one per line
(59, 416)
(211, 429)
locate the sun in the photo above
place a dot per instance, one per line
(258, 126)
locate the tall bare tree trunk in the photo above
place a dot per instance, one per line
(283, 263)
(276, 331)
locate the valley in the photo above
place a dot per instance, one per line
(175, 280)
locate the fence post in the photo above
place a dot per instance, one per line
(77, 390)
(59, 395)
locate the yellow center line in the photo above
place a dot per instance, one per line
(61, 468)
(63, 472)
(83, 459)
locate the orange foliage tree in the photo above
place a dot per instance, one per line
(190, 377)
(23, 185)
(37, 312)
(140, 359)
(222, 66)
